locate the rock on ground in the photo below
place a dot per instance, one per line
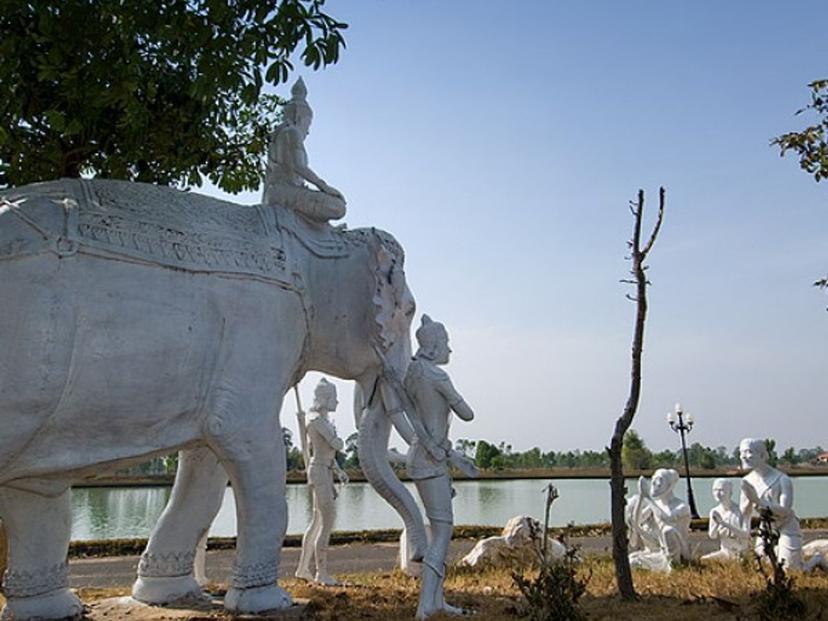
(120, 608)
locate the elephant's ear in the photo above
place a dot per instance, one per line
(393, 303)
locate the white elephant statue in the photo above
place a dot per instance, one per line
(139, 320)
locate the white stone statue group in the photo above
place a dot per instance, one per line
(659, 523)
(432, 398)
(140, 320)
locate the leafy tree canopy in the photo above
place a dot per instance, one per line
(811, 144)
(634, 453)
(162, 92)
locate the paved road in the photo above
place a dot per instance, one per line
(119, 571)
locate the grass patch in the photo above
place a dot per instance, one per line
(693, 593)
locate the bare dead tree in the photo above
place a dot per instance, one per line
(638, 254)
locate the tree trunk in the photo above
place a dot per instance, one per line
(618, 500)
(620, 541)
(71, 165)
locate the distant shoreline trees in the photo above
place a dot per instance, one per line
(637, 456)
(501, 456)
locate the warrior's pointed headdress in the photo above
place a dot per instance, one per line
(324, 391)
(429, 335)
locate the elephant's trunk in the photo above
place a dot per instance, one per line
(374, 433)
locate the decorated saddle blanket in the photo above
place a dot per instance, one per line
(158, 225)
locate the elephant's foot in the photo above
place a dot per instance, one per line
(159, 591)
(257, 600)
(457, 611)
(325, 579)
(60, 604)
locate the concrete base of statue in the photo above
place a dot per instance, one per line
(199, 608)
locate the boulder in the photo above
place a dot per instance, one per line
(517, 546)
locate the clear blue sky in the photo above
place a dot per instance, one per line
(501, 141)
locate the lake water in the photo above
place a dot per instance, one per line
(108, 513)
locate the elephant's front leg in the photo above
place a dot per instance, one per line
(165, 572)
(252, 450)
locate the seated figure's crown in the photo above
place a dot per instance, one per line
(299, 91)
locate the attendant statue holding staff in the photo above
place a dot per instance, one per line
(322, 444)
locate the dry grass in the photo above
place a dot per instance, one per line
(691, 593)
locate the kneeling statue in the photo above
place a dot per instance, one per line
(658, 523)
(726, 525)
(766, 488)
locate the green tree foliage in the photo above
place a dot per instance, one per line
(790, 456)
(485, 454)
(466, 447)
(770, 444)
(809, 455)
(163, 92)
(634, 454)
(665, 459)
(171, 463)
(703, 457)
(293, 455)
(811, 143)
(352, 451)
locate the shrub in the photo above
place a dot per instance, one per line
(779, 599)
(554, 594)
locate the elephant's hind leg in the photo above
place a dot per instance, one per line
(36, 583)
(165, 573)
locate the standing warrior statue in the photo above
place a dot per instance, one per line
(323, 445)
(434, 398)
(288, 170)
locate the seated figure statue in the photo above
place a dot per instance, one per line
(765, 487)
(288, 170)
(658, 523)
(323, 445)
(434, 398)
(726, 525)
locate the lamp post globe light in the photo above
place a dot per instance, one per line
(682, 424)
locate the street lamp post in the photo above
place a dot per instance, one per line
(683, 424)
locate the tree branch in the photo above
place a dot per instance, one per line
(657, 227)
